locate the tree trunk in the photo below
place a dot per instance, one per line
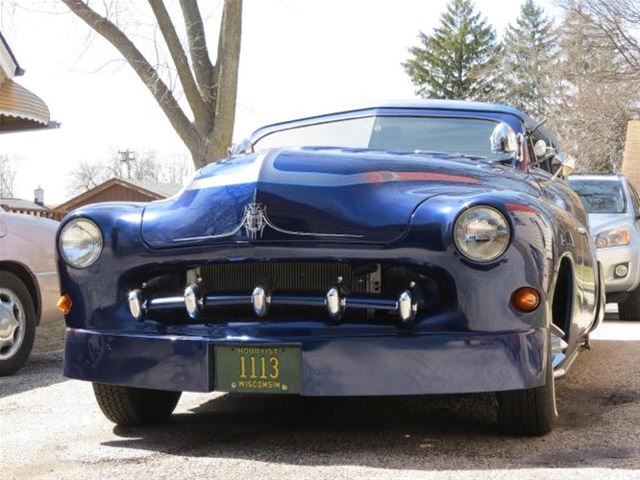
(210, 90)
(226, 84)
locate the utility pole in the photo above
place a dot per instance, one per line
(127, 156)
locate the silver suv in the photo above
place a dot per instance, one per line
(613, 206)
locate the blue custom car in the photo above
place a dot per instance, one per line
(419, 248)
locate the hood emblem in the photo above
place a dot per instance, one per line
(255, 220)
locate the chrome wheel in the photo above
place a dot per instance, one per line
(12, 323)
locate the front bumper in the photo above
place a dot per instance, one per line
(613, 256)
(434, 363)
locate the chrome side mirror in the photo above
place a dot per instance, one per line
(540, 148)
(504, 139)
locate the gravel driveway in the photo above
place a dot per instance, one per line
(51, 428)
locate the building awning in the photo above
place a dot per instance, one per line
(21, 109)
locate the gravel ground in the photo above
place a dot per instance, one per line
(49, 337)
(51, 428)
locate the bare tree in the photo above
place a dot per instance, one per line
(176, 171)
(86, 176)
(7, 177)
(210, 89)
(613, 27)
(146, 166)
(593, 100)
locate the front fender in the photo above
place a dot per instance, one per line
(94, 287)
(484, 290)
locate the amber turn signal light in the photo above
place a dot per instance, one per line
(64, 304)
(525, 299)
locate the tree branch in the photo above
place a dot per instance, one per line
(198, 51)
(226, 80)
(141, 66)
(179, 58)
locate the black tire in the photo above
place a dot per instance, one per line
(17, 360)
(135, 406)
(630, 308)
(529, 412)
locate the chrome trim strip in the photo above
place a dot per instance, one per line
(223, 300)
(310, 234)
(371, 303)
(165, 302)
(302, 301)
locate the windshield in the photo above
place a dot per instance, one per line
(464, 136)
(601, 196)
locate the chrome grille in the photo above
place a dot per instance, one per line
(297, 277)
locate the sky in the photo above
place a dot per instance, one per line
(298, 58)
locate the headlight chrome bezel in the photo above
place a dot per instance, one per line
(92, 254)
(505, 239)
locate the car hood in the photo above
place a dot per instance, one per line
(313, 194)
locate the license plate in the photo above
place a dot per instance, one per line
(264, 369)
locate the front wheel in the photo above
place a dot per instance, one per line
(630, 308)
(17, 323)
(135, 406)
(531, 411)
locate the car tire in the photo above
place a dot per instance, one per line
(135, 406)
(529, 412)
(17, 306)
(630, 308)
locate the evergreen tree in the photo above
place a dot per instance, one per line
(529, 56)
(455, 62)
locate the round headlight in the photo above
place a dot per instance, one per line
(80, 243)
(482, 233)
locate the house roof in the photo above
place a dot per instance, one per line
(163, 189)
(19, 203)
(8, 60)
(20, 109)
(155, 190)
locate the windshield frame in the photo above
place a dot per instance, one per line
(518, 123)
(444, 117)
